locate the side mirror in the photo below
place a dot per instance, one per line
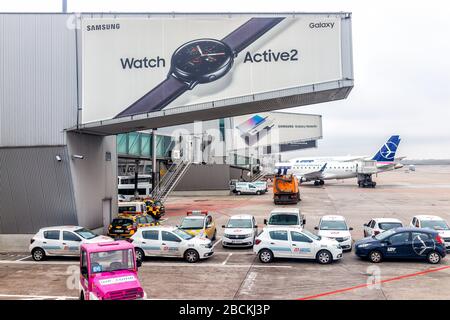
(138, 263)
(350, 229)
(316, 228)
(265, 221)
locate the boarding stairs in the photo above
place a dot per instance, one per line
(170, 180)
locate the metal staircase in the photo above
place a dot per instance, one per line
(170, 180)
(259, 175)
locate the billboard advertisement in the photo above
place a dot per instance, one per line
(275, 129)
(133, 65)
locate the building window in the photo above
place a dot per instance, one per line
(222, 129)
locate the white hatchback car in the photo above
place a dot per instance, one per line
(335, 227)
(379, 225)
(436, 223)
(240, 231)
(162, 241)
(293, 242)
(62, 241)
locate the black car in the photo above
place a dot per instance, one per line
(402, 243)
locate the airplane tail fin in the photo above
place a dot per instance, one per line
(387, 151)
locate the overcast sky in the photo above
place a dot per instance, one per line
(401, 52)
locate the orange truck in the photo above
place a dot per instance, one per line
(285, 189)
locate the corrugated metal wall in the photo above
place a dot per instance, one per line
(35, 189)
(38, 83)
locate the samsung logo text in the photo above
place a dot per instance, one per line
(105, 26)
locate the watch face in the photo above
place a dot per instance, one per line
(202, 60)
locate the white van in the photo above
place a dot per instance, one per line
(262, 185)
(247, 188)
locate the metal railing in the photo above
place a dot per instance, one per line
(170, 180)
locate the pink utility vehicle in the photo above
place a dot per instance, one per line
(108, 271)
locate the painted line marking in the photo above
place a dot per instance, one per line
(226, 260)
(149, 264)
(35, 297)
(217, 242)
(410, 275)
(27, 257)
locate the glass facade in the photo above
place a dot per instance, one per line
(139, 144)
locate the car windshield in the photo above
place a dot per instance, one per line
(281, 219)
(108, 261)
(85, 233)
(435, 224)
(389, 225)
(333, 225)
(189, 223)
(384, 235)
(240, 223)
(182, 234)
(122, 222)
(311, 235)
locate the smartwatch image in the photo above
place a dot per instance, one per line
(200, 61)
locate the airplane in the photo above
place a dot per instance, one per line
(327, 168)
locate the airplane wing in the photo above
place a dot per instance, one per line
(314, 175)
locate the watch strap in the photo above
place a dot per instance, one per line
(157, 98)
(249, 32)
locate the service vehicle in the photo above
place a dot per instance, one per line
(247, 188)
(435, 223)
(132, 207)
(170, 242)
(335, 227)
(62, 241)
(155, 208)
(124, 226)
(261, 185)
(240, 231)
(286, 217)
(291, 242)
(109, 271)
(285, 189)
(379, 225)
(126, 186)
(402, 243)
(199, 223)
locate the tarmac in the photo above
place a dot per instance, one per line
(238, 274)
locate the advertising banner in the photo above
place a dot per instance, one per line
(133, 65)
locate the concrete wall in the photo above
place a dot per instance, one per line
(194, 179)
(35, 189)
(94, 178)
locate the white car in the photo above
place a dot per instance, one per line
(240, 230)
(436, 223)
(379, 225)
(285, 217)
(291, 242)
(162, 241)
(335, 227)
(62, 241)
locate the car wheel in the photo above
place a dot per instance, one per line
(238, 193)
(38, 254)
(265, 256)
(140, 255)
(324, 257)
(434, 257)
(375, 256)
(191, 256)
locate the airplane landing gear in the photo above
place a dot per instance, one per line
(319, 183)
(365, 181)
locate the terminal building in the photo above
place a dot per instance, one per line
(68, 120)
